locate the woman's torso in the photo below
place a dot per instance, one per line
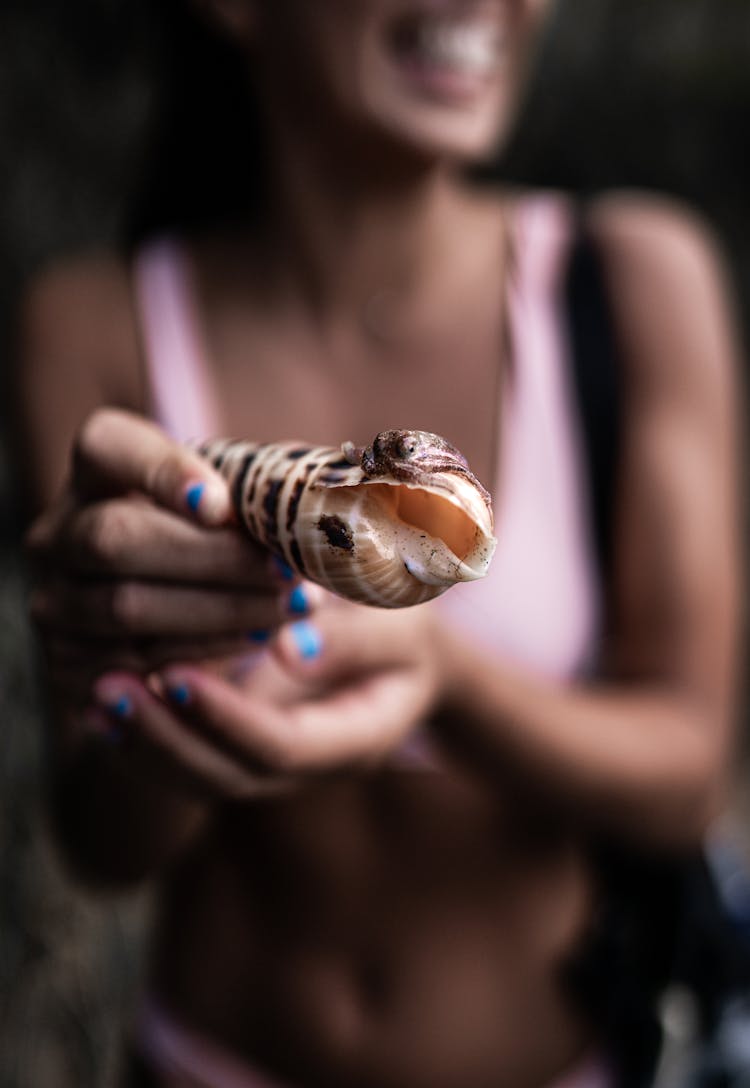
(404, 927)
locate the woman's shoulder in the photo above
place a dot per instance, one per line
(670, 293)
(630, 225)
(622, 222)
(77, 325)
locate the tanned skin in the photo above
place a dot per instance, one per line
(321, 912)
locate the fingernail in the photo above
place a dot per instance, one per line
(307, 639)
(193, 496)
(179, 694)
(121, 707)
(109, 695)
(283, 569)
(258, 636)
(208, 501)
(299, 605)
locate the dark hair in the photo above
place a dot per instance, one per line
(202, 153)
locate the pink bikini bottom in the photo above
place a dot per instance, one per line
(192, 1061)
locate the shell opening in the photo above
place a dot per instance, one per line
(432, 515)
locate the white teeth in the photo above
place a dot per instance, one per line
(472, 47)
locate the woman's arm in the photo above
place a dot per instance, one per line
(77, 348)
(76, 351)
(121, 565)
(647, 749)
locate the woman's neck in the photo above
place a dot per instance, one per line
(342, 228)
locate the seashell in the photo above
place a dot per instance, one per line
(394, 524)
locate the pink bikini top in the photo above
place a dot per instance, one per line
(539, 604)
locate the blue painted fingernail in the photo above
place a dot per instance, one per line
(193, 495)
(121, 707)
(283, 568)
(179, 693)
(298, 602)
(258, 636)
(308, 640)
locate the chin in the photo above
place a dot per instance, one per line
(433, 131)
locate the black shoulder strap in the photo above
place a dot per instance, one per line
(595, 362)
(667, 919)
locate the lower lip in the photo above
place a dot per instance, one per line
(443, 83)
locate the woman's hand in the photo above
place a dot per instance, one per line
(138, 563)
(341, 691)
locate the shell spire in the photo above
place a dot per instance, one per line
(392, 524)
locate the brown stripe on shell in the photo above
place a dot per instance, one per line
(271, 510)
(240, 480)
(294, 498)
(247, 507)
(296, 557)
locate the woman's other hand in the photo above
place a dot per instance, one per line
(343, 690)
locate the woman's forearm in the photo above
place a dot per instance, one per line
(646, 761)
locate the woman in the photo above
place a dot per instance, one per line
(341, 903)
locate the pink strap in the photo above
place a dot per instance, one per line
(592, 1072)
(182, 399)
(177, 1051)
(544, 449)
(538, 605)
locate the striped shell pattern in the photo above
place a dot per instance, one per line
(394, 524)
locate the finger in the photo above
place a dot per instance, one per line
(354, 725)
(133, 538)
(251, 730)
(376, 675)
(224, 654)
(144, 718)
(351, 640)
(73, 664)
(116, 452)
(139, 609)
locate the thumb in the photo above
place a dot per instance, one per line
(339, 641)
(117, 451)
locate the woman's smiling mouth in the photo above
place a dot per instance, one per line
(448, 57)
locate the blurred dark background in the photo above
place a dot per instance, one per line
(652, 94)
